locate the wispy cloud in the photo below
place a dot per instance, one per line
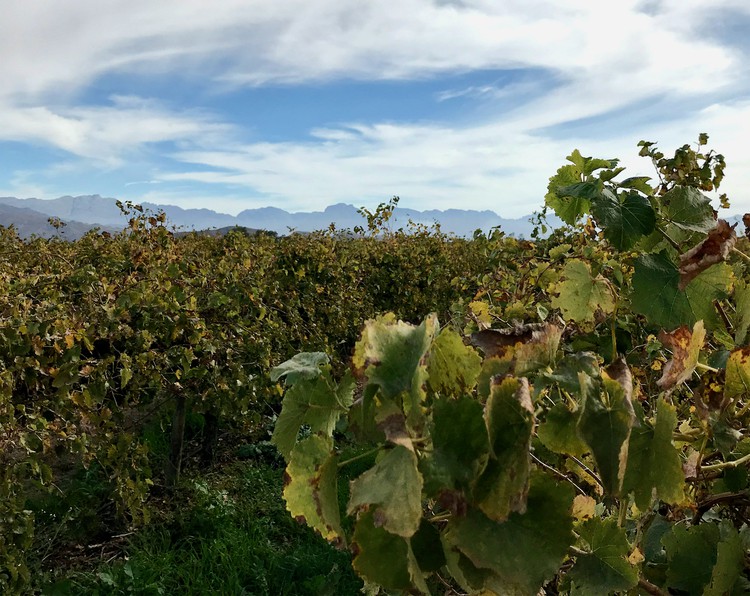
(597, 59)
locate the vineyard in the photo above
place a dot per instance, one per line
(565, 414)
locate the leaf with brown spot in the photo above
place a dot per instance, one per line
(737, 381)
(392, 422)
(686, 347)
(503, 486)
(712, 250)
(310, 487)
(531, 346)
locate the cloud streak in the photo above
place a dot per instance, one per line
(581, 60)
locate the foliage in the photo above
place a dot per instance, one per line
(104, 339)
(616, 369)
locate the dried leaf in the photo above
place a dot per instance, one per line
(686, 346)
(714, 249)
(495, 342)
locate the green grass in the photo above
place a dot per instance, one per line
(228, 533)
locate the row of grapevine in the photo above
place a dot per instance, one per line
(103, 335)
(582, 429)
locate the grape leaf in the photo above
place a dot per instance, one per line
(384, 558)
(460, 444)
(625, 219)
(730, 562)
(742, 316)
(503, 486)
(492, 367)
(568, 208)
(310, 489)
(737, 380)
(427, 547)
(713, 249)
(527, 549)
(538, 353)
(392, 491)
(314, 402)
(565, 374)
(605, 567)
(453, 367)
(688, 208)
(691, 556)
(654, 464)
(579, 295)
(392, 354)
(638, 183)
(305, 365)
(605, 425)
(686, 347)
(559, 432)
(656, 295)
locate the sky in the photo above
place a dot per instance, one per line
(300, 104)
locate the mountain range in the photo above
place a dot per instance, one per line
(82, 213)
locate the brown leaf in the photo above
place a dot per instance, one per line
(620, 371)
(685, 346)
(714, 249)
(746, 222)
(495, 342)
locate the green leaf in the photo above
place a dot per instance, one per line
(625, 219)
(460, 444)
(305, 365)
(605, 425)
(654, 463)
(527, 549)
(392, 491)
(567, 208)
(313, 402)
(509, 414)
(310, 489)
(605, 568)
(730, 563)
(427, 547)
(383, 558)
(638, 183)
(688, 208)
(453, 367)
(581, 295)
(392, 355)
(656, 294)
(691, 555)
(559, 432)
(491, 367)
(566, 373)
(737, 380)
(742, 314)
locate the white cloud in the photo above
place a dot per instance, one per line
(105, 133)
(493, 166)
(603, 57)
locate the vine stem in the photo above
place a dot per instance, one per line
(727, 464)
(557, 473)
(668, 238)
(742, 254)
(706, 367)
(652, 589)
(622, 514)
(368, 453)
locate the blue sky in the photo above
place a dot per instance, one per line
(236, 104)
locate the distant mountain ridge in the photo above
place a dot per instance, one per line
(96, 211)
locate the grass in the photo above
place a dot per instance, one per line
(224, 533)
